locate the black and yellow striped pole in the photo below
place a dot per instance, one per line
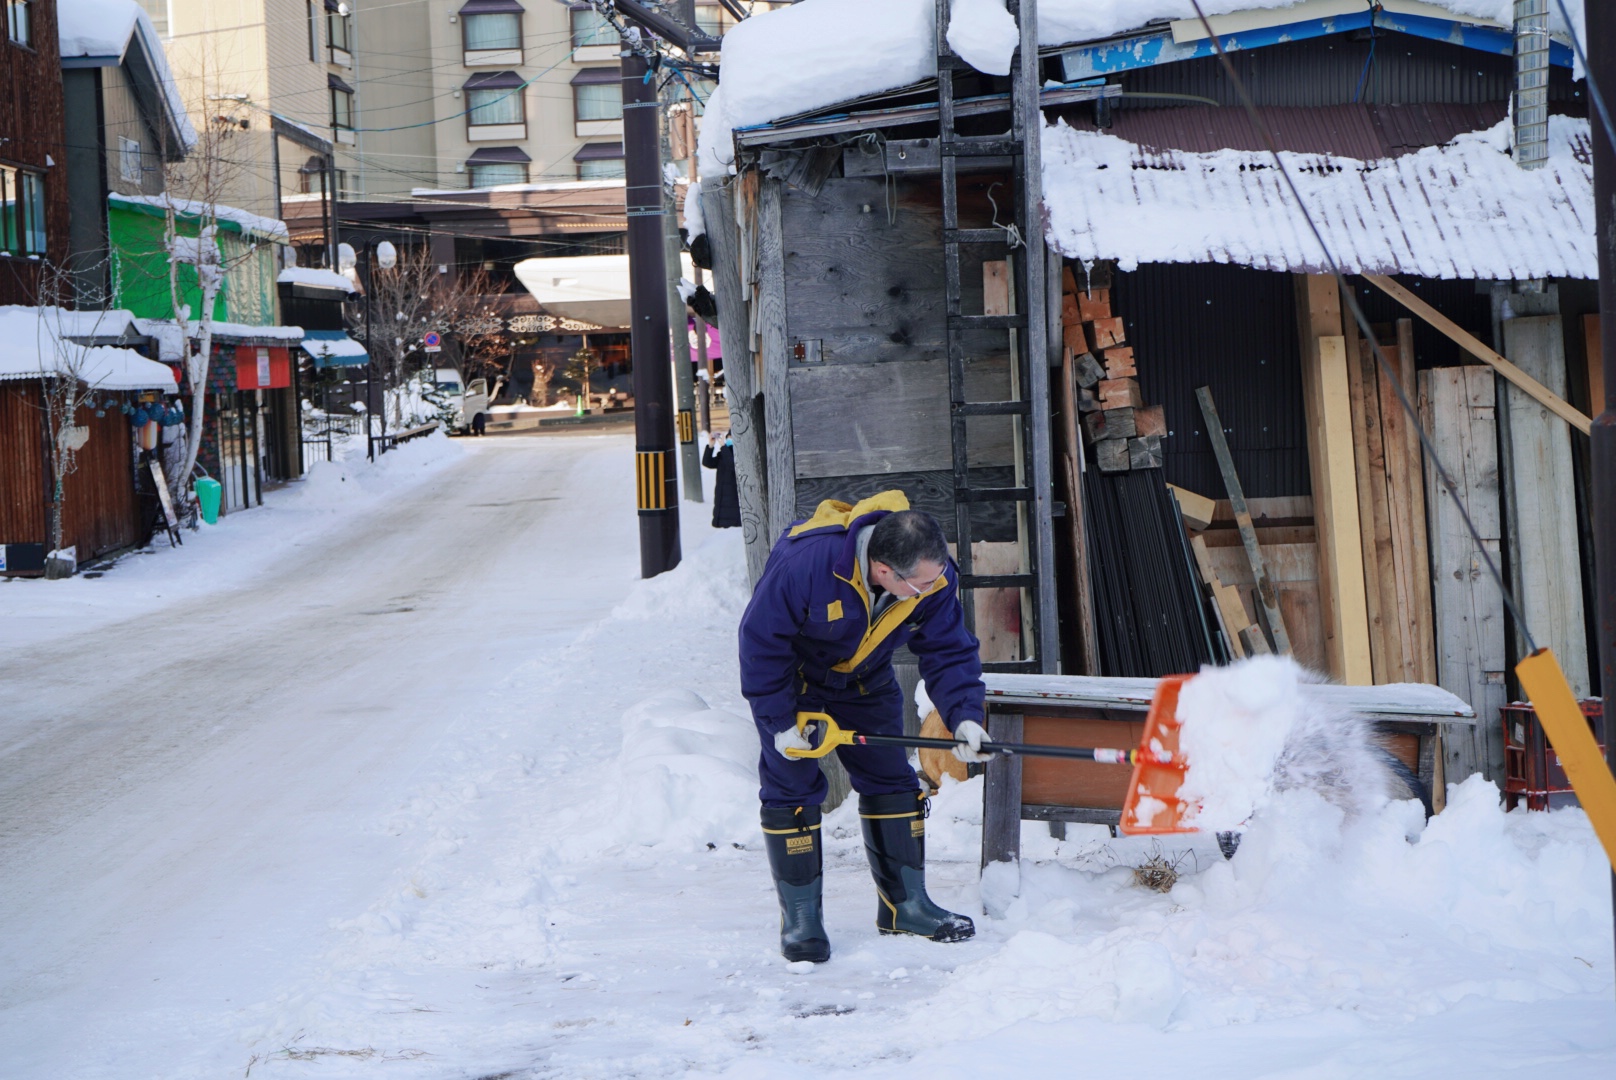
(655, 471)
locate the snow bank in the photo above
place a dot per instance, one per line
(688, 773)
(315, 277)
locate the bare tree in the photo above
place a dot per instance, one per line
(412, 298)
(67, 385)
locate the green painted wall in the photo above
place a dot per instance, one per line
(140, 270)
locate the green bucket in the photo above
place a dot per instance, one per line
(207, 494)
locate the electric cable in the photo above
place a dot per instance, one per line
(1448, 484)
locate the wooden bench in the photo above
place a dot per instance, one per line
(1074, 710)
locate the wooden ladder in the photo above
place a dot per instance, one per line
(1031, 490)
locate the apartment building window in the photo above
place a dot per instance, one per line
(490, 166)
(597, 102)
(22, 211)
(314, 31)
(157, 10)
(495, 106)
(128, 160)
(309, 176)
(342, 110)
(19, 22)
(600, 161)
(339, 33)
(589, 27)
(492, 32)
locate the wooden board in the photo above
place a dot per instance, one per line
(852, 419)
(1457, 409)
(1053, 782)
(1422, 642)
(1373, 519)
(1294, 571)
(1540, 501)
(998, 611)
(1001, 795)
(1196, 509)
(1594, 346)
(996, 287)
(780, 446)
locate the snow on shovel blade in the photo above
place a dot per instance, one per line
(1153, 806)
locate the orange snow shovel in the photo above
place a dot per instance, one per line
(1152, 805)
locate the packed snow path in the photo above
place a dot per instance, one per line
(430, 786)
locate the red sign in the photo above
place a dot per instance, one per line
(263, 367)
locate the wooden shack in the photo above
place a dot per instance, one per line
(853, 259)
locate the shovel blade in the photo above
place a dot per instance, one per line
(1152, 806)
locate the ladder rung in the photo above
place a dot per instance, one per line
(982, 495)
(1012, 667)
(998, 581)
(992, 408)
(977, 146)
(988, 322)
(974, 236)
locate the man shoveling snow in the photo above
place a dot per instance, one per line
(841, 591)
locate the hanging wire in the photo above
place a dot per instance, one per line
(1588, 74)
(1012, 235)
(1448, 484)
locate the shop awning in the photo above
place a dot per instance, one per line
(590, 288)
(333, 348)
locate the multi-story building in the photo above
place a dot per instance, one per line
(33, 188)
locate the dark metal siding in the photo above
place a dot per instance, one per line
(1327, 70)
(1365, 132)
(1232, 329)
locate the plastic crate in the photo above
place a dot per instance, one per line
(1532, 769)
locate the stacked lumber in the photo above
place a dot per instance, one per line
(1125, 433)
(1391, 509)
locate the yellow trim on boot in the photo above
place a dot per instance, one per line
(788, 832)
(886, 817)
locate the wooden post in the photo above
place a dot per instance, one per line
(1001, 795)
(751, 477)
(771, 320)
(1326, 398)
(1457, 410)
(1088, 659)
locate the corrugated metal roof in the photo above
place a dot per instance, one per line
(1458, 211)
(1365, 132)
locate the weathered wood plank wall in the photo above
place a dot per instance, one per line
(1540, 501)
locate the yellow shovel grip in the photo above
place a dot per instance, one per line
(833, 737)
(1557, 709)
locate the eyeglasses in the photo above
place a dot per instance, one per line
(915, 588)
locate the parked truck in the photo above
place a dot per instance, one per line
(465, 402)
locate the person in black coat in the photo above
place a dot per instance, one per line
(720, 456)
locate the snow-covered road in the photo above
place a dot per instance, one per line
(191, 791)
(407, 775)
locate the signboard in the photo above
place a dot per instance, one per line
(261, 367)
(170, 518)
(432, 342)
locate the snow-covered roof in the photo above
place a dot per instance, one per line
(315, 278)
(171, 343)
(1464, 210)
(265, 228)
(91, 31)
(333, 348)
(36, 343)
(801, 58)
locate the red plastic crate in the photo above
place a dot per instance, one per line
(1532, 769)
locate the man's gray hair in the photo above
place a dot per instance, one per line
(905, 539)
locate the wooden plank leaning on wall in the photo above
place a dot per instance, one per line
(1325, 397)
(1457, 410)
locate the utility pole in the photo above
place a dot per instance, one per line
(1600, 46)
(683, 378)
(648, 307)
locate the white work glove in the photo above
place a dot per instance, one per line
(791, 739)
(972, 736)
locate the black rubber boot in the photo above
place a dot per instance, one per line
(798, 860)
(895, 841)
